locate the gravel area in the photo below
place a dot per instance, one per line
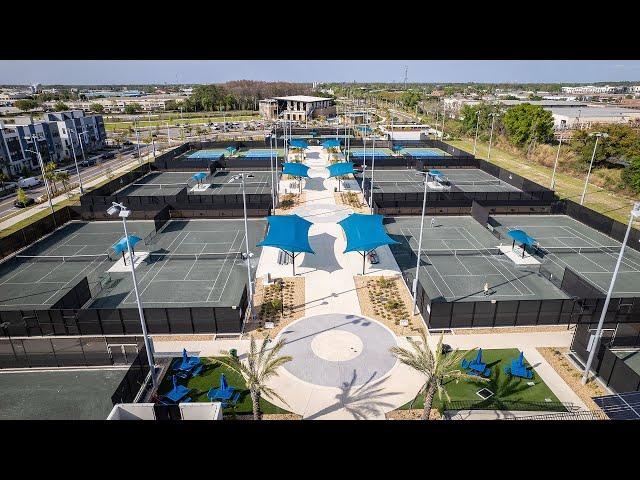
(414, 414)
(571, 375)
(182, 338)
(373, 309)
(299, 199)
(361, 208)
(537, 329)
(294, 305)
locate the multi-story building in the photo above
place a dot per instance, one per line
(591, 89)
(54, 132)
(148, 103)
(297, 107)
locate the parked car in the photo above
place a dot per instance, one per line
(26, 203)
(108, 155)
(29, 182)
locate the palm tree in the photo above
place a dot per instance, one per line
(260, 366)
(437, 368)
(3, 178)
(49, 175)
(62, 177)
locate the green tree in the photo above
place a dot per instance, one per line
(21, 196)
(631, 174)
(3, 178)
(62, 177)
(410, 98)
(60, 106)
(50, 175)
(132, 108)
(525, 122)
(436, 368)
(96, 108)
(171, 105)
(260, 366)
(206, 97)
(26, 104)
(622, 144)
(469, 119)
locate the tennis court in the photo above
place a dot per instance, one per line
(206, 154)
(412, 181)
(566, 242)
(159, 183)
(192, 263)
(424, 152)
(261, 153)
(61, 260)
(475, 180)
(222, 183)
(458, 257)
(359, 152)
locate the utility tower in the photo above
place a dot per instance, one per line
(406, 68)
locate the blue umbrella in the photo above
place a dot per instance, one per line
(121, 245)
(397, 148)
(198, 177)
(231, 149)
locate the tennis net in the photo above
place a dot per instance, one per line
(158, 257)
(461, 251)
(65, 258)
(595, 249)
(475, 183)
(160, 186)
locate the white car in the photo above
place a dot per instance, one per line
(29, 182)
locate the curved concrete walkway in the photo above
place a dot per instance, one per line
(324, 381)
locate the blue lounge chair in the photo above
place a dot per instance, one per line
(476, 366)
(178, 392)
(518, 368)
(224, 392)
(232, 401)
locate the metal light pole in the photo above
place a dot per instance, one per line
(493, 120)
(123, 212)
(75, 159)
(443, 116)
(373, 166)
(137, 139)
(273, 195)
(555, 165)
(84, 158)
(246, 239)
(593, 155)
(475, 141)
(46, 182)
(594, 346)
(415, 280)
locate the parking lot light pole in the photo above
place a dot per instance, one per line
(635, 212)
(475, 141)
(123, 212)
(415, 281)
(493, 121)
(75, 159)
(46, 182)
(373, 166)
(598, 135)
(137, 139)
(555, 165)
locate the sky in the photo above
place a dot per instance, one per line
(215, 71)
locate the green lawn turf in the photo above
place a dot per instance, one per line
(510, 393)
(210, 378)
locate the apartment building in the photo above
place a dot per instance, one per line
(54, 134)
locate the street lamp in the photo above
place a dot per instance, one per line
(75, 159)
(135, 123)
(373, 166)
(123, 212)
(44, 177)
(246, 236)
(635, 212)
(555, 165)
(415, 281)
(598, 135)
(475, 141)
(493, 119)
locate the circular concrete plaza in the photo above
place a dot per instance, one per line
(337, 349)
(323, 213)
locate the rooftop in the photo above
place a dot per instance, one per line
(303, 98)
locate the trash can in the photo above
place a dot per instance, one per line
(234, 353)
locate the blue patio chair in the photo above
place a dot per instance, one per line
(232, 401)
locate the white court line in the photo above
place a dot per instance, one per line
(627, 262)
(425, 269)
(220, 271)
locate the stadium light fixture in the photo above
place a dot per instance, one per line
(635, 212)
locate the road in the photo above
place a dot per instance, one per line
(89, 173)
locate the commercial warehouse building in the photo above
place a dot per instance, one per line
(297, 107)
